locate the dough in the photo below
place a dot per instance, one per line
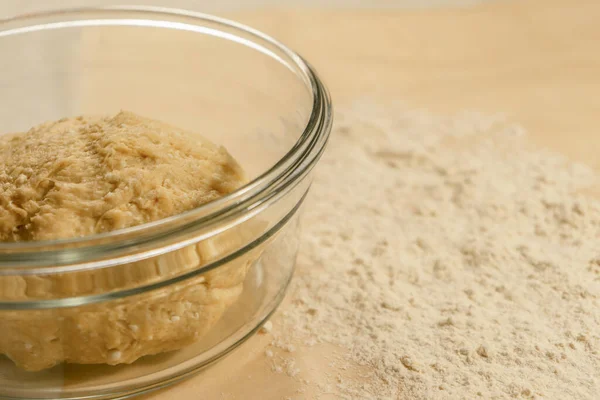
(82, 176)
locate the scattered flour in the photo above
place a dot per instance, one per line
(266, 328)
(449, 259)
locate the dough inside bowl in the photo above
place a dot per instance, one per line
(82, 176)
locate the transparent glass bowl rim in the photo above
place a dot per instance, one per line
(169, 234)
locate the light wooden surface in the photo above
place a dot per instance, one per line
(536, 61)
(13, 7)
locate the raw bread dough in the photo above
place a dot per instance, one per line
(82, 176)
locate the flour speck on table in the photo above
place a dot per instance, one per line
(451, 259)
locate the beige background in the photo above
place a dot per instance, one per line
(11, 7)
(535, 60)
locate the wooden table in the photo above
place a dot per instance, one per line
(537, 61)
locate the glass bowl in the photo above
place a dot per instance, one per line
(117, 314)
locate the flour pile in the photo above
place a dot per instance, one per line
(451, 260)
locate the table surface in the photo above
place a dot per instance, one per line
(536, 61)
